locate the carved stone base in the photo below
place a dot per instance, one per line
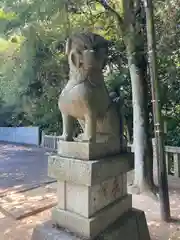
(91, 227)
(87, 200)
(90, 192)
(92, 195)
(88, 151)
(89, 172)
(131, 225)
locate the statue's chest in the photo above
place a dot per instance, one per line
(80, 91)
(77, 98)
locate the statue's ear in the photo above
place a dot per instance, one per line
(75, 58)
(68, 46)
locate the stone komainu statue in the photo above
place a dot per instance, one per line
(85, 97)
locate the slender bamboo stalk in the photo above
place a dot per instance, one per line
(159, 135)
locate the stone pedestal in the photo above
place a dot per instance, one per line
(92, 196)
(132, 225)
(88, 151)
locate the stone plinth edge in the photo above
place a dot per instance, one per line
(132, 225)
(89, 172)
(88, 151)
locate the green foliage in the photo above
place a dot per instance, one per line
(33, 68)
(6, 15)
(168, 34)
(33, 77)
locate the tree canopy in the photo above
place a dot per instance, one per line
(34, 69)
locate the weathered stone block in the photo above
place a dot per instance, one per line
(91, 227)
(88, 151)
(89, 172)
(131, 225)
(87, 200)
(61, 194)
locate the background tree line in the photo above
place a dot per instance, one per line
(33, 68)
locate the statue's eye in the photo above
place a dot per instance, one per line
(85, 47)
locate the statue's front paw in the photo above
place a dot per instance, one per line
(66, 138)
(83, 138)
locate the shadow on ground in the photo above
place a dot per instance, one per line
(21, 166)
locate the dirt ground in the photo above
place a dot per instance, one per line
(22, 165)
(158, 229)
(22, 229)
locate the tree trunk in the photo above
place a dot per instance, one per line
(159, 134)
(138, 122)
(143, 152)
(133, 38)
(142, 142)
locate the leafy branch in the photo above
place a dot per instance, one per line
(113, 12)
